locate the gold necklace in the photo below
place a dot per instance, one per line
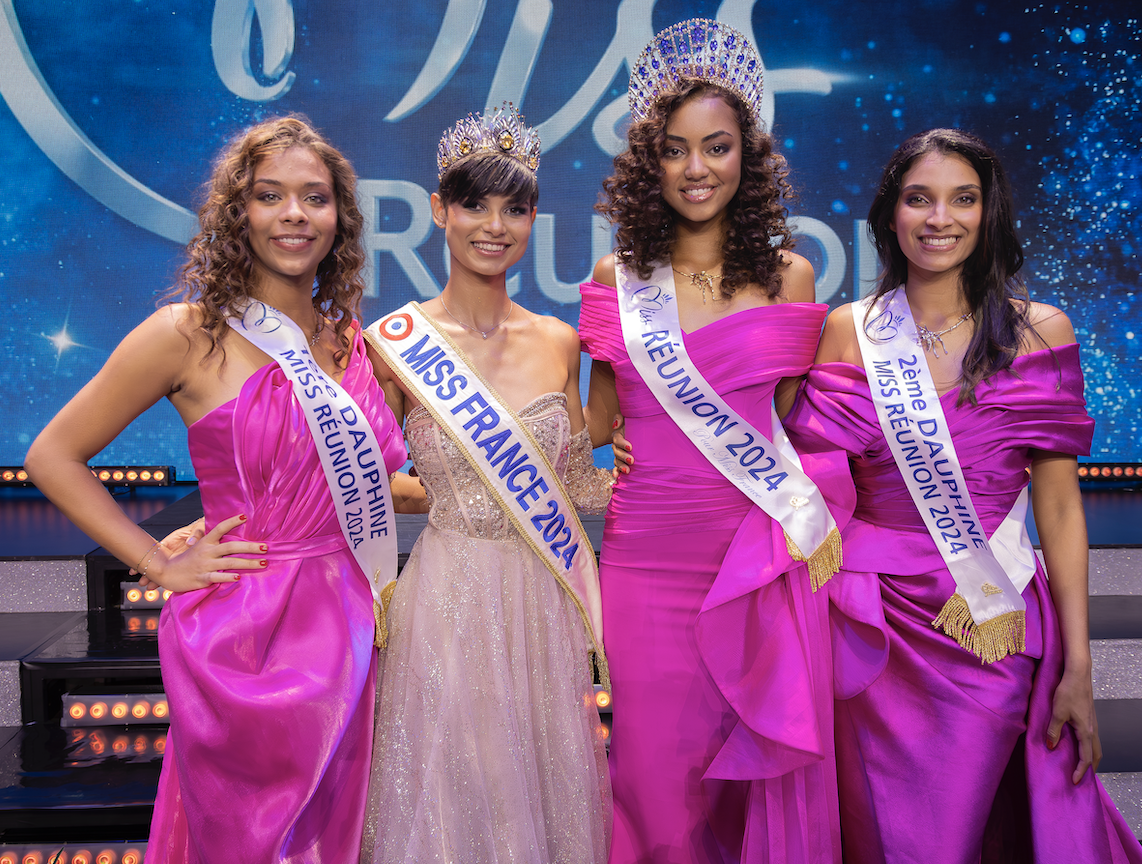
(929, 338)
(701, 279)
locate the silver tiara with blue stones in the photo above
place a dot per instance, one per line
(499, 131)
(698, 49)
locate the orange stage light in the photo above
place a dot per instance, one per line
(98, 711)
(159, 709)
(77, 711)
(140, 710)
(119, 710)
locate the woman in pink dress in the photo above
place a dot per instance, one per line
(943, 757)
(719, 651)
(267, 661)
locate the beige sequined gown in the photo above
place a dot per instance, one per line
(487, 745)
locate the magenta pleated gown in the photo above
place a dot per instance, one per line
(271, 680)
(942, 758)
(722, 743)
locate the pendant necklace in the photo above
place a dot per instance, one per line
(928, 338)
(484, 333)
(703, 280)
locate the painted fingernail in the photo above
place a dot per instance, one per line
(263, 548)
(242, 518)
(262, 562)
(237, 576)
(615, 424)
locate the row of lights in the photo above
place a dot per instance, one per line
(603, 703)
(137, 597)
(91, 746)
(108, 475)
(144, 623)
(1110, 471)
(115, 853)
(116, 710)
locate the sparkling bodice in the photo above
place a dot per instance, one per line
(460, 500)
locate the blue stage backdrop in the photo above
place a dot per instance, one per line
(113, 111)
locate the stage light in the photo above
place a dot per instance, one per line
(134, 475)
(1118, 473)
(14, 475)
(131, 857)
(88, 709)
(9, 858)
(134, 596)
(107, 856)
(81, 856)
(602, 699)
(120, 744)
(33, 857)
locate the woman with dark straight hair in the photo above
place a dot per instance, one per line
(965, 722)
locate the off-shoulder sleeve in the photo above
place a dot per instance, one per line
(833, 410)
(588, 486)
(1041, 399)
(600, 332)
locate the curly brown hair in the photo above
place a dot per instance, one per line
(220, 263)
(756, 229)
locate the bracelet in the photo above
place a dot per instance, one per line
(145, 561)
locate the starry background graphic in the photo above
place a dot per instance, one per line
(1054, 88)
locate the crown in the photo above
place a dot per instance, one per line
(499, 131)
(700, 49)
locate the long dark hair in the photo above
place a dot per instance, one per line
(756, 229)
(989, 278)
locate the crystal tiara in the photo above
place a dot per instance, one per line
(499, 131)
(699, 49)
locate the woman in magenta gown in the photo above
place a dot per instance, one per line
(722, 741)
(942, 757)
(269, 666)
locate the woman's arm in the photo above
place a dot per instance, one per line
(798, 285)
(1061, 524)
(146, 366)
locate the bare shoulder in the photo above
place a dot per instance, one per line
(170, 329)
(1052, 327)
(798, 282)
(604, 272)
(556, 332)
(838, 340)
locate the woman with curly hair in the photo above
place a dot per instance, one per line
(266, 645)
(714, 546)
(949, 389)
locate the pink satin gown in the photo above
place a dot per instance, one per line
(271, 679)
(940, 757)
(722, 747)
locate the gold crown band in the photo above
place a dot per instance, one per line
(499, 131)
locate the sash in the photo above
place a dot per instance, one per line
(986, 614)
(501, 449)
(768, 473)
(348, 448)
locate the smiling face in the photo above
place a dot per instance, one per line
(938, 214)
(292, 214)
(701, 160)
(487, 236)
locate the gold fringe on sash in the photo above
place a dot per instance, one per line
(603, 669)
(825, 560)
(990, 641)
(381, 616)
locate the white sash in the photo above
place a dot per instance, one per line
(501, 450)
(986, 613)
(770, 474)
(350, 454)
